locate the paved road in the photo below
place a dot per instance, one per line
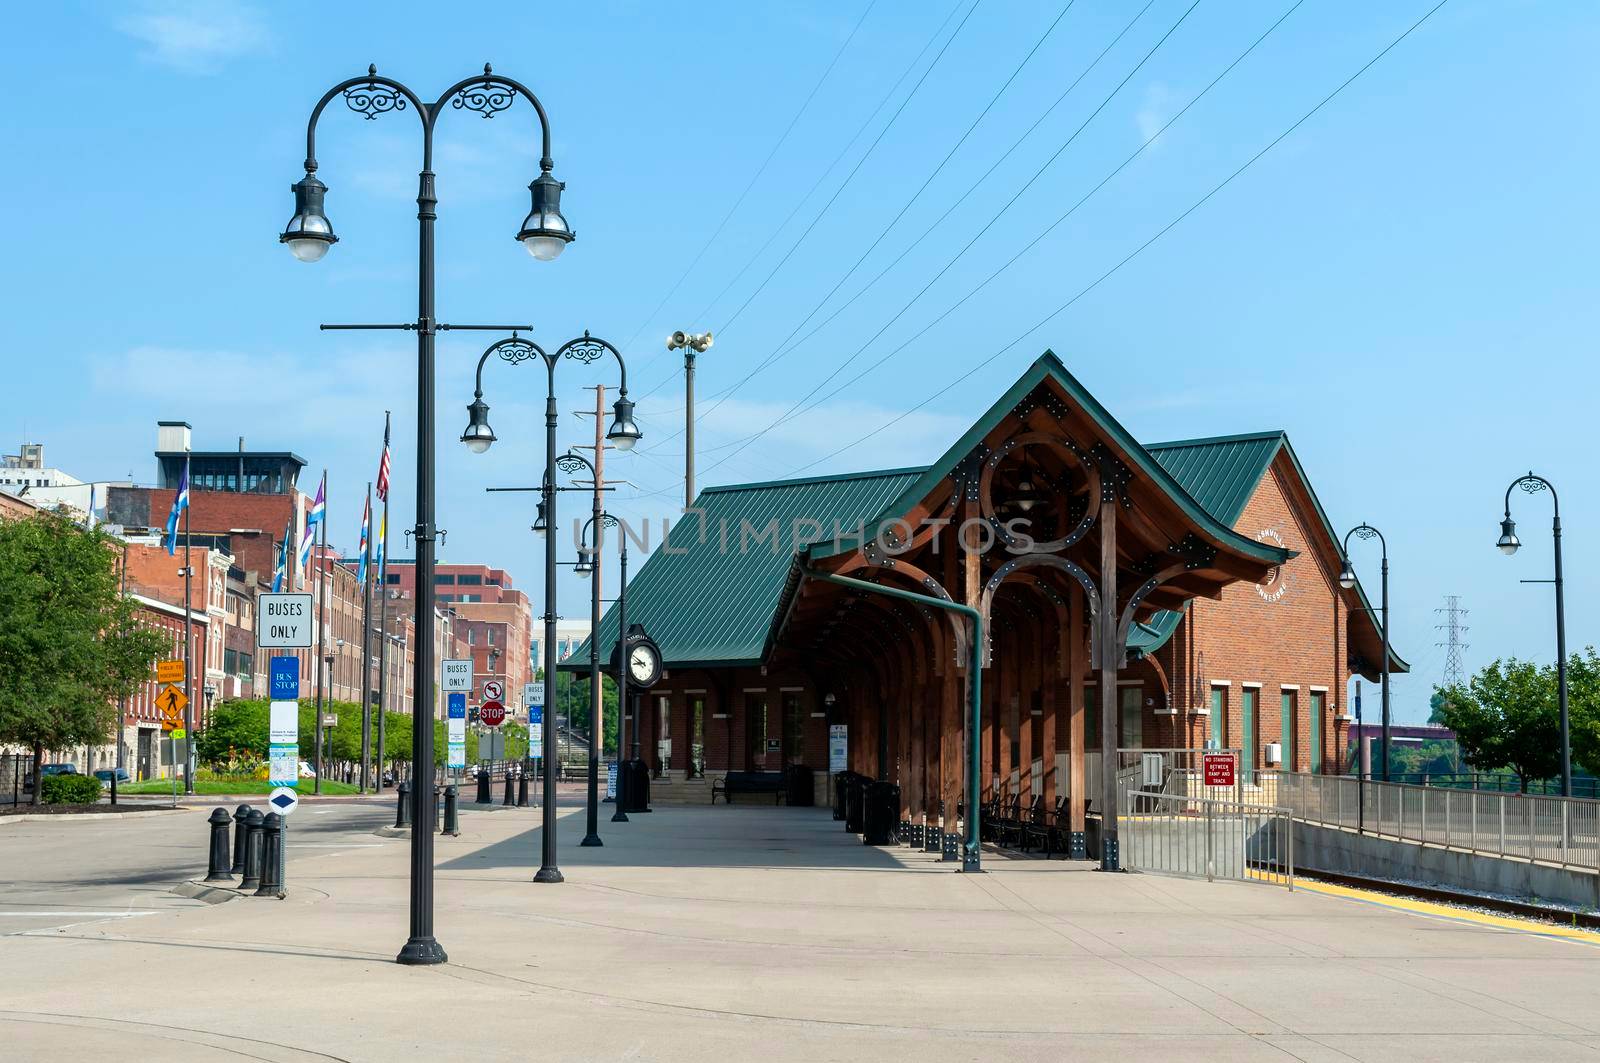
(84, 870)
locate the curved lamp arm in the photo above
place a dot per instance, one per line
(1533, 484)
(1365, 531)
(486, 93)
(512, 349)
(587, 348)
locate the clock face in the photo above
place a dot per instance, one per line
(643, 664)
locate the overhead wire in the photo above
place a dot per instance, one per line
(817, 184)
(762, 169)
(785, 346)
(801, 402)
(1136, 251)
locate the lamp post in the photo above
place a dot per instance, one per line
(478, 437)
(544, 233)
(1347, 580)
(588, 567)
(1508, 544)
(691, 345)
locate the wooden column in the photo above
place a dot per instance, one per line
(1052, 661)
(1077, 646)
(1110, 652)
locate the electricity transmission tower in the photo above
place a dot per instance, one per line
(1455, 673)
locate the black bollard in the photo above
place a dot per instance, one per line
(402, 809)
(452, 818)
(510, 800)
(252, 851)
(271, 852)
(219, 863)
(436, 810)
(522, 788)
(240, 833)
(484, 797)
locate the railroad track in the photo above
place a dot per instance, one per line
(1527, 909)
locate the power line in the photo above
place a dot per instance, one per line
(757, 176)
(823, 176)
(801, 407)
(1136, 251)
(781, 350)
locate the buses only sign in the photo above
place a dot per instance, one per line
(283, 621)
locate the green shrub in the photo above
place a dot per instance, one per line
(70, 790)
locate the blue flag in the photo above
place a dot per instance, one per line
(366, 527)
(179, 504)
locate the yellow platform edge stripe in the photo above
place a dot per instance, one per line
(1443, 911)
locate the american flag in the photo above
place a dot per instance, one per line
(383, 464)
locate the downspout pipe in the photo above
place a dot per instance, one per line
(971, 853)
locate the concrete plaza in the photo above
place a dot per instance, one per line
(734, 933)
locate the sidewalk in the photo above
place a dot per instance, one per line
(729, 933)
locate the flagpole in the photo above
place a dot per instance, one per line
(322, 633)
(366, 640)
(188, 643)
(383, 615)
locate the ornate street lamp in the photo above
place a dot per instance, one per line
(308, 236)
(1508, 544)
(1347, 580)
(478, 436)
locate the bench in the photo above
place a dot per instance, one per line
(750, 782)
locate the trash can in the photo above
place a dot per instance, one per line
(838, 794)
(799, 786)
(880, 813)
(636, 793)
(854, 788)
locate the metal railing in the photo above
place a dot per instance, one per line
(1168, 770)
(1179, 835)
(1556, 830)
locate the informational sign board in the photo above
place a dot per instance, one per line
(611, 780)
(283, 621)
(492, 713)
(456, 729)
(457, 675)
(494, 690)
(535, 731)
(1217, 768)
(532, 693)
(838, 747)
(492, 745)
(169, 671)
(283, 678)
(283, 729)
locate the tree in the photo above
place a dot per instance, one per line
(1507, 717)
(573, 695)
(1583, 706)
(70, 641)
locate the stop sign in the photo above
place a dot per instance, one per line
(492, 713)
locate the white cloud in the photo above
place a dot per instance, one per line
(195, 36)
(1156, 110)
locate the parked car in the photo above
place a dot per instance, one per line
(49, 769)
(105, 774)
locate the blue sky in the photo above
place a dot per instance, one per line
(1405, 283)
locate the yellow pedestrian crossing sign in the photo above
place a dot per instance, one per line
(171, 702)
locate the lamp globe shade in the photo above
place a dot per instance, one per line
(1508, 541)
(309, 234)
(545, 232)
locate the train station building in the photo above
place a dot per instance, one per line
(1171, 595)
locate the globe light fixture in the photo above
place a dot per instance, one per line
(585, 565)
(624, 431)
(478, 435)
(1347, 576)
(1508, 541)
(309, 233)
(545, 232)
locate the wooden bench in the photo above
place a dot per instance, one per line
(750, 782)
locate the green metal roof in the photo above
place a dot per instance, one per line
(1048, 366)
(1220, 473)
(708, 594)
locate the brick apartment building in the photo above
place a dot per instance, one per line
(493, 618)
